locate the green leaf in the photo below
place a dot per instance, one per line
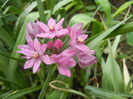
(81, 18)
(41, 10)
(126, 75)
(54, 95)
(112, 78)
(6, 37)
(22, 92)
(96, 28)
(123, 7)
(106, 7)
(60, 4)
(22, 17)
(6, 80)
(11, 9)
(128, 88)
(20, 40)
(105, 94)
(104, 34)
(129, 37)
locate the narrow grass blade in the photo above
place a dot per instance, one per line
(60, 4)
(122, 8)
(104, 34)
(81, 18)
(20, 40)
(105, 94)
(106, 7)
(22, 92)
(41, 11)
(6, 37)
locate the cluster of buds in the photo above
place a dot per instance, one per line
(58, 45)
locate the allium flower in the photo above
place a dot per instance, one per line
(33, 29)
(34, 52)
(84, 54)
(61, 53)
(64, 60)
(53, 29)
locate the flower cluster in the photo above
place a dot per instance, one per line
(61, 46)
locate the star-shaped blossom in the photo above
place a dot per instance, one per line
(32, 29)
(34, 52)
(84, 55)
(64, 60)
(52, 29)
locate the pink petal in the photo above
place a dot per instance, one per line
(30, 42)
(51, 22)
(69, 52)
(83, 37)
(29, 30)
(23, 46)
(43, 26)
(85, 56)
(26, 57)
(83, 48)
(64, 71)
(62, 32)
(36, 66)
(50, 45)
(46, 59)
(58, 25)
(63, 59)
(29, 63)
(26, 52)
(58, 44)
(43, 48)
(44, 35)
(37, 45)
(86, 64)
(78, 26)
(35, 27)
(53, 58)
(52, 35)
(71, 63)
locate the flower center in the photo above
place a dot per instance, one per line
(51, 27)
(80, 40)
(36, 55)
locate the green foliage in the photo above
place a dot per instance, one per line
(106, 35)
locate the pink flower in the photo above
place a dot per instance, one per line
(77, 37)
(84, 54)
(64, 60)
(53, 29)
(33, 29)
(34, 52)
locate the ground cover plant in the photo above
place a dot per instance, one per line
(66, 49)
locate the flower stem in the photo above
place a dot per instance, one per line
(47, 81)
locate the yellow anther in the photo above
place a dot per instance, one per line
(80, 40)
(51, 27)
(35, 55)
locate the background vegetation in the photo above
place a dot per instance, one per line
(109, 25)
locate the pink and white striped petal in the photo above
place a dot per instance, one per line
(64, 71)
(51, 22)
(29, 63)
(37, 44)
(36, 66)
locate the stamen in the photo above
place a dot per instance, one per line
(36, 55)
(80, 40)
(51, 27)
